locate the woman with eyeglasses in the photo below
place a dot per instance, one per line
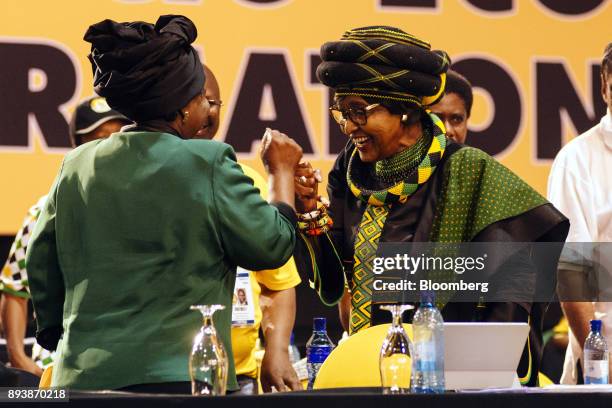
(142, 225)
(400, 179)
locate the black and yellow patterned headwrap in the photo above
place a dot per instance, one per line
(385, 63)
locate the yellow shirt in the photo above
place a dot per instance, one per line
(244, 338)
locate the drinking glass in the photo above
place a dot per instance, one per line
(208, 364)
(395, 354)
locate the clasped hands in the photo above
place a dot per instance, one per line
(280, 153)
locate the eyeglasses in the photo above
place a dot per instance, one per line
(215, 102)
(358, 116)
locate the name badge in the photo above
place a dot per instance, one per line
(243, 308)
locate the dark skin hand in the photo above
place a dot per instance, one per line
(307, 182)
(277, 307)
(278, 310)
(280, 155)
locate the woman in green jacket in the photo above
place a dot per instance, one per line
(142, 225)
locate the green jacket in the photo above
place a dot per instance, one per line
(137, 228)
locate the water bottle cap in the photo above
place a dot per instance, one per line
(595, 325)
(319, 323)
(428, 296)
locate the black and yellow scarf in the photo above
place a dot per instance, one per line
(379, 204)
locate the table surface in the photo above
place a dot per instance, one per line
(350, 398)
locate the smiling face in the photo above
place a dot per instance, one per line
(452, 112)
(382, 136)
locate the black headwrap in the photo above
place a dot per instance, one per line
(146, 71)
(384, 63)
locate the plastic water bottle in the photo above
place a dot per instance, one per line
(318, 348)
(294, 353)
(428, 343)
(596, 364)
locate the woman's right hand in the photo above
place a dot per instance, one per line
(279, 152)
(306, 187)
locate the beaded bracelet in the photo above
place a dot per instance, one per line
(320, 230)
(310, 215)
(316, 222)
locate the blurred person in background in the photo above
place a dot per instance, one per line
(580, 186)
(93, 119)
(455, 107)
(273, 296)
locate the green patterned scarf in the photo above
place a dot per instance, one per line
(379, 204)
(478, 192)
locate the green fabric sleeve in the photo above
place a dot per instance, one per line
(255, 234)
(44, 273)
(479, 191)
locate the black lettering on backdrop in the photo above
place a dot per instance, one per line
(572, 7)
(271, 71)
(18, 101)
(188, 2)
(493, 5)
(336, 140)
(566, 7)
(504, 91)
(556, 92)
(409, 3)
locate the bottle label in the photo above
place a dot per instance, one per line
(425, 355)
(317, 354)
(596, 372)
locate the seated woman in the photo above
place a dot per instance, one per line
(142, 225)
(400, 179)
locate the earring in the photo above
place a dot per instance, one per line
(404, 118)
(185, 116)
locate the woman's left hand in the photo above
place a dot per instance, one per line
(277, 372)
(307, 182)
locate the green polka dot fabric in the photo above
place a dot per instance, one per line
(478, 192)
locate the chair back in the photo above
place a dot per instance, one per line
(45, 379)
(355, 362)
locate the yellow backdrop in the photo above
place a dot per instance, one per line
(533, 41)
